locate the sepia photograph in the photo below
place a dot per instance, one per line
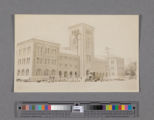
(76, 53)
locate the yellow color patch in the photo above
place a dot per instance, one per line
(122, 107)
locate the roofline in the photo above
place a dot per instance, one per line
(35, 39)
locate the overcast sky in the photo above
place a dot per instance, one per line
(118, 32)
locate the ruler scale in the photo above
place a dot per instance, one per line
(77, 109)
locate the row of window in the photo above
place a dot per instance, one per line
(46, 61)
(24, 51)
(24, 61)
(47, 51)
(67, 74)
(23, 72)
(47, 72)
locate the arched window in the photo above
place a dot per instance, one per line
(18, 72)
(65, 74)
(38, 72)
(23, 72)
(93, 74)
(46, 72)
(76, 74)
(27, 72)
(71, 74)
(38, 60)
(28, 60)
(60, 74)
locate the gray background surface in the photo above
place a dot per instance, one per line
(143, 7)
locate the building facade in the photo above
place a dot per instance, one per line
(38, 60)
(116, 67)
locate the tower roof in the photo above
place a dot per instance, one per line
(81, 24)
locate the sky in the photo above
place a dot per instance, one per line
(118, 32)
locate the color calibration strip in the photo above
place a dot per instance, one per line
(48, 107)
(77, 109)
(29, 107)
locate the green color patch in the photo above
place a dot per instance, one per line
(116, 107)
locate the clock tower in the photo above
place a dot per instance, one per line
(82, 44)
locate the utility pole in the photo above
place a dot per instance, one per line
(107, 50)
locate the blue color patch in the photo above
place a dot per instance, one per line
(129, 107)
(30, 107)
(113, 107)
(46, 107)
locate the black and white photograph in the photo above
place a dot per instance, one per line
(76, 53)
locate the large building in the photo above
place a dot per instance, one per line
(38, 60)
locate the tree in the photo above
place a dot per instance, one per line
(131, 69)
